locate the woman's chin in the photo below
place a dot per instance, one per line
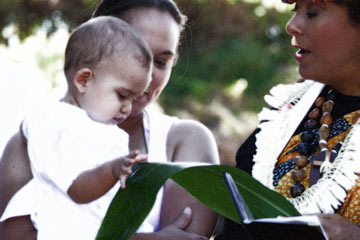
(306, 74)
(139, 105)
(313, 77)
(137, 110)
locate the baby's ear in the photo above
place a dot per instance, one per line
(82, 78)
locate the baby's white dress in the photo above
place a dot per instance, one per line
(62, 143)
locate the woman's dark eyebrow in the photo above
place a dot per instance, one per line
(313, 5)
(130, 92)
(168, 53)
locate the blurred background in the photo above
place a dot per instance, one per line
(232, 53)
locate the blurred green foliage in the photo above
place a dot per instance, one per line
(228, 42)
(225, 40)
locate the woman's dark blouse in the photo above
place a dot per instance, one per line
(244, 156)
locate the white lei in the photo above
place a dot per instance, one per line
(292, 103)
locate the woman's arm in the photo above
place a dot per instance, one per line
(189, 141)
(15, 169)
(182, 216)
(15, 172)
(18, 228)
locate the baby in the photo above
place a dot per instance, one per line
(77, 153)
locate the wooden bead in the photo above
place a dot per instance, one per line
(326, 119)
(319, 101)
(296, 190)
(301, 161)
(310, 124)
(307, 137)
(324, 132)
(303, 148)
(298, 175)
(315, 113)
(327, 106)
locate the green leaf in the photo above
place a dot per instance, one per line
(131, 206)
(207, 184)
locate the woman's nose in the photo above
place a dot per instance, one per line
(294, 26)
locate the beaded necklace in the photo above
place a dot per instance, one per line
(330, 190)
(323, 108)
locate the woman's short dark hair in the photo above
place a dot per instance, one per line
(353, 7)
(118, 7)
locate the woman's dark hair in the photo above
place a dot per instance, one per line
(117, 7)
(353, 7)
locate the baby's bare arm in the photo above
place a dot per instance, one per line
(94, 183)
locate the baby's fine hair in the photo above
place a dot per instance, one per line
(101, 38)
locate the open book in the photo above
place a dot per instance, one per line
(280, 228)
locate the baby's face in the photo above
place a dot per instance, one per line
(115, 85)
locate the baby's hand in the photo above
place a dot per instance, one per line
(121, 167)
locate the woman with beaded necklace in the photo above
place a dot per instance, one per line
(313, 158)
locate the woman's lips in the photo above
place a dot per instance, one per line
(301, 54)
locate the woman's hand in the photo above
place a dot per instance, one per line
(338, 228)
(174, 231)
